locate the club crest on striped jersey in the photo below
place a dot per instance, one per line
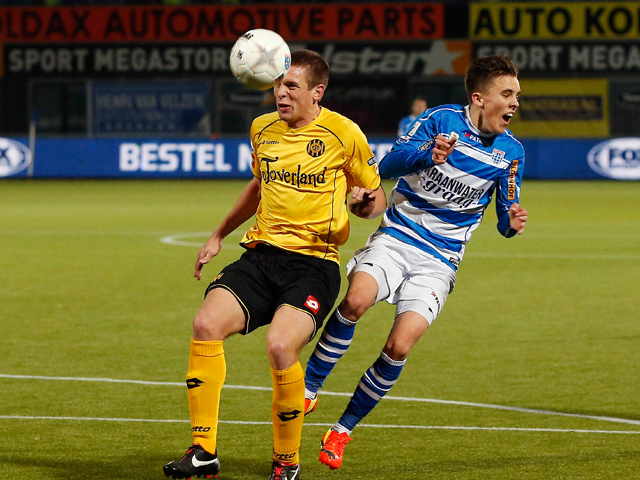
(497, 156)
(315, 147)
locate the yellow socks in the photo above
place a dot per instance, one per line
(287, 412)
(205, 377)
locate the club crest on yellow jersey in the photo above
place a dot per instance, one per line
(315, 147)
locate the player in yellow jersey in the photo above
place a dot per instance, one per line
(306, 162)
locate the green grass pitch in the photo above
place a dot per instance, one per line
(545, 324)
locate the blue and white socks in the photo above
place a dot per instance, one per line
(333, 344)
(374, 385)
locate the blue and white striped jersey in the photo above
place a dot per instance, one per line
(437, 207)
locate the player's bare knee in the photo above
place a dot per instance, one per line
(203, 326)
(398, 349)
(210, 327)
(281, 353)
(354, 306)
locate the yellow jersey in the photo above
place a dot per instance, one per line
(306, 174)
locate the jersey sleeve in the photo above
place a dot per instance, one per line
(413, 151)
(508, 193)
(361, 162)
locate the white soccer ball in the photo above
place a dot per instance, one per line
(259, 59)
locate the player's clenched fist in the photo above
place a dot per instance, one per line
(443, 148)
(517, 218)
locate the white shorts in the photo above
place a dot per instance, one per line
(406, 276)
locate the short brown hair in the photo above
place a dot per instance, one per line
(481, 72)
(316, 66)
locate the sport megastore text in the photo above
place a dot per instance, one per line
(125, 59)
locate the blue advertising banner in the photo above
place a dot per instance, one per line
(551, 159)
(150, 107)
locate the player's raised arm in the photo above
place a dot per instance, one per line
(405, 159)
(242, 210)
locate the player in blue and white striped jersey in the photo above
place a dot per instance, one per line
(450, 164)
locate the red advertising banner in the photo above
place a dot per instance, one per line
(401, 21)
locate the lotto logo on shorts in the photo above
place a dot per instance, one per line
(312, 304)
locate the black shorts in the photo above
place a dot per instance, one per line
(265, 278)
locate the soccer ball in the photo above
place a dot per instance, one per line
(259, 59)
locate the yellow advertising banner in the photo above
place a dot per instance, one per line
(553, 21)
(559, 108)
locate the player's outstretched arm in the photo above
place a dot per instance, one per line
(244, 208)
(517, 218)
(367, 203)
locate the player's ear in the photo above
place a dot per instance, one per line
(477, 99)
(318, 92)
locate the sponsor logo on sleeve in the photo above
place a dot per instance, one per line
(373, 163)
(426, 145)
(511, 192)
(405, 138)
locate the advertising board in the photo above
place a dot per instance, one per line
(562, 108)
(554, 20)
(559, 159)
(202, 23)
(150, 107)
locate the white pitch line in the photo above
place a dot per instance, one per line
(365, 425)
(177, 239)
(119, 380)
(90, 379)
(345, 394)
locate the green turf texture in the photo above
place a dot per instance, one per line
(547, 320)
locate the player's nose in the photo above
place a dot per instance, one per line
(280, 90)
